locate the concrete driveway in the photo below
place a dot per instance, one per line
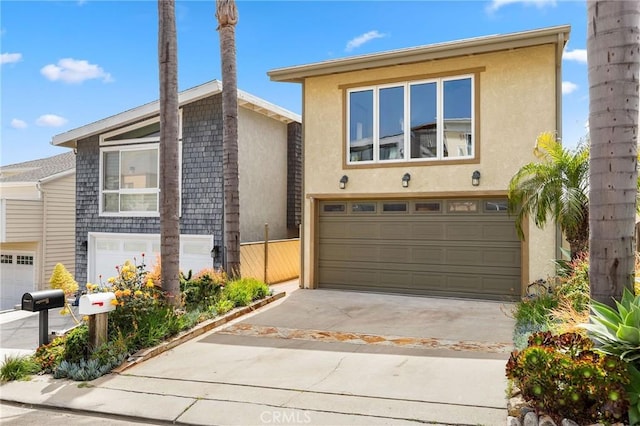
(331, 357)
(314, 357)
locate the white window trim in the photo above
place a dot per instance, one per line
(135, 145)
(407, 121)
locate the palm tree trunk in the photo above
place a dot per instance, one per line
(613, 51)
(227, 15)
(169, 160)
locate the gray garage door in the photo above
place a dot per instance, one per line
(459, 248)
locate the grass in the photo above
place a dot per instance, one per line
(18, 368)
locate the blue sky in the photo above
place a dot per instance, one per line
(69, 63)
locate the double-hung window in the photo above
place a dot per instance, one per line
(426, 120)
(130, 170)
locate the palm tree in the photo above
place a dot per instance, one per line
(227, 15)
(613, 54)
(169, 160)
(556, 188)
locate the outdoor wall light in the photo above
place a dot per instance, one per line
(343, 181)
(405, 180)
(215, 252)
(475, 178)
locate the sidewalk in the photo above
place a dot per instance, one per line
(231, 378)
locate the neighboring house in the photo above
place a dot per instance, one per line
(407, 159)
(117, 216)
(37, 224)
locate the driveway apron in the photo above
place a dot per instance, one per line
(336, 357)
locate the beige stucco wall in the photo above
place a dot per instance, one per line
(262, 163)
(517, 102)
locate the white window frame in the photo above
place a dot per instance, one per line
(136, 144)
(407, 121)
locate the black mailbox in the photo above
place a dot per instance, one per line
(43, 300)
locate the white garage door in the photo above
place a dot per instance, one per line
(106, 251)
(17, 276)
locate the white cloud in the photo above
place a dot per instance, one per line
(51, 120)
(72, 70)
(497, 4)
(578, 55)
(16, 123)
(568, 87)
(362, 39)
(10, 58)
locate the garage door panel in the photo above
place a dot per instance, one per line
(394, 254)
(397, 230)
(434, 231)
(428, 255)
(489, 256)
(464, 232)
(499, 232)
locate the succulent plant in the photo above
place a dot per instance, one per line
(617, 330)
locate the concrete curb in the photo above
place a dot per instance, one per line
(148, 353)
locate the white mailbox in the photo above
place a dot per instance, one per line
(96, 303)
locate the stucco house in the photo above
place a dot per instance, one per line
(407, 156)
(37, 226)
(117, 215)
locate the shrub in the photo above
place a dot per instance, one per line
(77, 344)
(245, 290)
(51, 355)
(562, 376)
(574, 288)
(201, 291)
(18, 368)
(82, 370)
(223, 306)
(532, 315)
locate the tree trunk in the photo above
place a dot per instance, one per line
(613, 51)
(227, 16)
(169, 159)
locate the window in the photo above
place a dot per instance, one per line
(130, 179)
(130, 170)
(466, 206)
(393, 207)
(363, 207)
(24, 260)
(334, 208)
(6, 258)
(411, 121)
(427, 207)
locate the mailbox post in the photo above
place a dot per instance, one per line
(97, 306)
(42, 301)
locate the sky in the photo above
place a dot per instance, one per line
(65, 64)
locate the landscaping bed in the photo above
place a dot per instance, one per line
(142, 323)
(576, 360)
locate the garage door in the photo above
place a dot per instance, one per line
(106, 251)
(454, 248)
(17, 276)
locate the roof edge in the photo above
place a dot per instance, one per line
(69, 139)
(470, 46)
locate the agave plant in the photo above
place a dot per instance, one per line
(617, 329)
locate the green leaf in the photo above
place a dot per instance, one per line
(623, 311)
(633, 319)
(629, 334)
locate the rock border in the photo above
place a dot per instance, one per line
(198, 330)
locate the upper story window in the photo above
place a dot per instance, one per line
(426, 120)
(130, 170)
